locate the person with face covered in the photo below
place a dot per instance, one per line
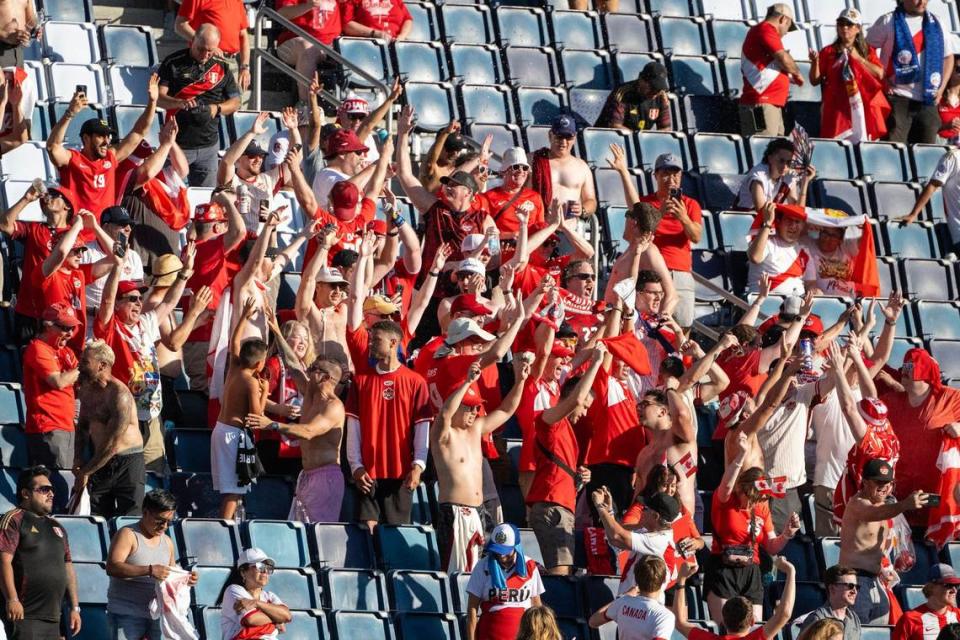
(830, 266)
(774, 180)
(502, 587)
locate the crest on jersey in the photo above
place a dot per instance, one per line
(213, 77)
(388, 393)
(107, 164)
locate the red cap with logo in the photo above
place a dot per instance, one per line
(469, 302)
(210, 212)
(128, 286)
(61, 314)
(344, 141)
(344, 196)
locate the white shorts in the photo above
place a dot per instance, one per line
(460, 534)
(223, 459)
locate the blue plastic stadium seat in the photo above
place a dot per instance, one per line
(532, 66)
(129, 84)
(476, 63)
(242, 121)
(436, 626)
(426, 27)
(370, 55)
(540, 106)
(92, 582)
(829, 309)
(282, 540)
(587, 69)
(190, 449)
(830, 550)
(486, 103)
(94, 623)
(563, 594)
(883, 160)
(70, 42)
(915, 240)
(522, 26)
(846, 195)
(435, 104)
(670, 7)
(467, 24)
(924, 159)
(720, 190)
(87, 536)
(354, 589)
(712, 265)
(12, 403)
(629, 65)
(599, 591)
(927, 279)
(423, 591)
(504, 136)
(57, 109)
(810, 595)
(609, 188)
(708, 237)
(875, 632)
(407, 547)
(939, 319)
(733, 228)
(531, 547)
(695, 75)
(68, 10)
(13, 446)
(129, 45)
(725, 9)
(270, 498)
(683, 36)
(421, 61)
(8, 489)
(214, 543)
(298, 588)
(947, 353)
(124, 117)
(195, 495)
(597, 141)
(210, 581)
(800, 550)
(832, 158)
(630, 33)
(587, 104)
(420, 509)
(728, 36)
(369, 625)
(951, 553)
(651, 144)
(893, 199)
(576, 29)
(910, 597)
(120, 522)
(719, 153)
(458, 588)
(341, 545)
(307, 625)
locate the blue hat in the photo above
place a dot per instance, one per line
(564, 125)
(667, 161)
(504, 539)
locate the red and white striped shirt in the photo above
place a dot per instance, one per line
(764, 82)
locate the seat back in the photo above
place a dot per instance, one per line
(476, 63)
(576, 29)
(521, 26)
(283, 540)
(372, 625)
(214, 543)
(467, 24)
(354, 589)
(407, 547)
(341, 545)
(87, 536)
(426, 591)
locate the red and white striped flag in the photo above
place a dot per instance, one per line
(943, 522)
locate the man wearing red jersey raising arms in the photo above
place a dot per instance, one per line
(388, 422)
(91, 171)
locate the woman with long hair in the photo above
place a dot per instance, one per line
(249, 611)
(773, 179)
(825, 629)
(539, 623)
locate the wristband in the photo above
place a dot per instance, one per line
(399, 221)
(890, 324)
(76, 609)
(150, 570)
(435, 274)
(244, 67)
(393, 234)
(766, 225)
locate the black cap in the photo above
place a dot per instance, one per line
(463, 179)
(115, 215)
(665, 506)
(655, 74)
(566, 330)
(254, 149)
(878, 469)
(455, 143)
(96, 126)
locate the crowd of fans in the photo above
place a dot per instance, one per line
(411, 347)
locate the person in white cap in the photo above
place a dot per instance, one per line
(320, 301)
(248, 610)
(471, 278)
(924, 622)
(354, 114)
(513, 194)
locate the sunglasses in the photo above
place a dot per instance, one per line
(463, 275)
(45, 489)
(132, 298)
(848, 586)
(64, 328)
(649, 403)
(78, 251)
(356, 116)
(584, 276)
(518, 168)
(263, 567)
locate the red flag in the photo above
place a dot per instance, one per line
(688, 464)
(772, 487)
(629, 349)
(865, 277)
(167, 197)
(944, 520)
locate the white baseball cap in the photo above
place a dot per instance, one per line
(253, 555)
(503, 540)
(472, 265)
(473, 242)
(512, 156)
(330, 275)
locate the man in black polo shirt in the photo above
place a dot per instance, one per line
(35, 565)
(199, 88)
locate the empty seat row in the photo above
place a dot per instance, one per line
(84, 43)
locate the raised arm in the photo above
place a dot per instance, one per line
(8, 219)
(758, 419)
(153, 164)
(301, 188)
(683, 425)
(358, 284)
(732, 471)
(236, 229)
(428, 168)
(259, 250)
(421, 198)
(784, 609)
(175, 340)
(752, 314)
(377, 115)
(236, 337)
(412, 255)
(308, 279)
(891, 313)
(420, 301)
(582, 249)
(844, 394)
(59, 154)
(234, 152)
(758, 245)
(378, 179)
(142, 126)
(108, 297)
(580, 392)
(496, 418)
(706, 363)
(618, 161)
(63, 248)
(174, 293)
(616, 533)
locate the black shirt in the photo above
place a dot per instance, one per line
(208, 83)
(40, 553)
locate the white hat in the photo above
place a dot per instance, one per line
(331, 275)
(472, 242)
(503, 540)
(278, 148)
(512, 156)
(472, 265)
(253, 555)
(851, 15)
(783, 9)
(462, 328)
(354, 104)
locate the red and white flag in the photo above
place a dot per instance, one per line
(28, 90)
(943, 523)
(772, 487)
(687, 464)
(860, 112)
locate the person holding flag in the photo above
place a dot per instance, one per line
(854, 107)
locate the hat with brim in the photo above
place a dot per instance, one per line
(461, 178)
(165, 270)
(331, 276)
(129, 286)
(255, 149)
(655, 75)
(877, 469)
(61, 314)
(463, 328)
(471, 399)
(116, 214)
(380, 305)
(254, 555)
(561, 351)
(97, 127)
(665, 506)
(943, 574)
(504, 539)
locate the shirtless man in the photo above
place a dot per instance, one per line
(673, 435)
(108, 419)
(458, 456)
(571, 177)
(244, 392)
(321, 302)
(865, 533)
(17, 22)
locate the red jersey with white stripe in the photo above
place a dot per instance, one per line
(641, 618)
(616, 435)
(94, 182)
(501, 609)
(538, 396)
(763, 80)
(923, 623)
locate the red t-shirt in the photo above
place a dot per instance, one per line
(703, 634)
(322, 22)
(382, 15)
(68, 287)
(388, 406)
(48, 409)
(923, 623)
(94, 183)
(358, 344)
(616, 435)
(760, 86)
(230, 16)
(731, 525)
(350, 233)
(550, 482)
(670, 238)
(38, 241)
(214, 268)
(537, 396)
(947, 114)
(744, 373)
(507, 222)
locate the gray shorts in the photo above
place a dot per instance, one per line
(683, 282)
(53, 449)
(553, 526)
(772, 115)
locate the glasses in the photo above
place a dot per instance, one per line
(44, 489)
(584, 276)
(649, 403)
(356, 116)
(560, 137)
(519, 168)
(482, 170)
(848, 586)
(653, 293)
(132, 299)
(78, 251)
(948, 587)
(463, 275)
(263, 567)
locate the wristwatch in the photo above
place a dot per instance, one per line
(274, 426)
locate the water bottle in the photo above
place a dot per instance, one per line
(806, 351)
(39, 186)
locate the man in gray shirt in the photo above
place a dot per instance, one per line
(841, 585)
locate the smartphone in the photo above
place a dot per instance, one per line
(120, 246)
(297, 146)
(264, 210)
(82, 88)
(759, 120)
(676, 193)
(933, 500)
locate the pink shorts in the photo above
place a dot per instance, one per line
(319, 495)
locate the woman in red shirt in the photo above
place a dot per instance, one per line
(384, 19)
(949, 108)
(741, 523)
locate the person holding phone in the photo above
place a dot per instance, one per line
(116, 225)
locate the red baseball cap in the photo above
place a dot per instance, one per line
(210, 212)
(61, 314)
(813, 324)
(128, 286)
(472, 399)
(344, 141)
(344, 196)
(468, 302)
(872, 411)
(561, 351)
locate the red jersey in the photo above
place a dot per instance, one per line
(733, 526)
(229, 16)
(358, 344)
(382, 15)
(923, 623)
(350, 233)
(585, 316)
(48, 408)
(947, 115)
(537, 396)
(744, 373)
(878, 442)
(322, 21)
(763, 82)
(388, 405)
(38, 240)
(504, 212)
(94, 183)
(550, 482)
(703, 634)
(501, 609)
(214, 268)
(69, 287)
(670, 238)
(616, 435)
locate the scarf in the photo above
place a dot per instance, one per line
(906, 63)
(497, 577)
(541, 179)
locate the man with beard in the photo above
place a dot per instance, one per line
(557, 173)
(114, 471)
(91, 171)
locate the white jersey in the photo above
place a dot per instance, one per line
(131, 269)
(645, 543)
(641, 618)
(230, 625)
(778, 257)
(761, 174)
(947, 175)
(832, 271)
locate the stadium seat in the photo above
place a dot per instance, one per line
(951, 554)
(369, 55)
(732, 79)
(910, 597)
(411, 547)
(372, 625)
(586, 69)
(892, 199)
(734, 228)
(354, 589)
(283, 540)
(924, 159)
(695, 75)
(947, 353)
(609, 188)
(883, 161)
(670, 7)
(71, 42)
(426, 27)
(630, 33)
(532, 66)
(683, 36)
(458, 589)
(875, 632)
(12, 404)
(68, 10)
(210, 581)
(846, 195)
(521, 27)
(939, 319)
(587, 104)
(576, 29)
(476, 64)
(269, 498)
(711, 265)
(829, 551)
(125, 117)
(540, 106)
(13, 446)
(436, 626)
(829, 308)
(900, 347)
(297, 588)
(189, 449)
(531, 548)
(825, 12)
(572, 627)
(629, 65)
(708, 237)
(467, 24)
(598, 591)
(597, 141)
(10, 366)
(727, 36)
(37, 75)
(420, 509)
(725, 9)
(486, 103)
(88, 537)
(341, 545)
(562, 594)
(307, 625)
(809, 595)
(65, 77)
(422, 591)
(652, 144)
(421, 61)
(801, 553)
(213, 543)
(128, 84)
(504, 136)
(927, 279)
(719, 153)
(93, 623)
(832, 158)
(129, 45)
(915, 240)
(435, 104)
(720, 190)
(92, 582)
